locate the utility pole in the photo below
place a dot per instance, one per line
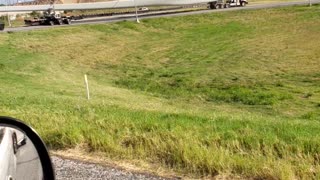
(135, 5)
(9, 21)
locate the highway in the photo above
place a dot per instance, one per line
(170, 13)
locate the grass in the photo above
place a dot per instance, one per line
(20, 21)
(223, 93)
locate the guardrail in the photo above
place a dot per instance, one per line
(102, 5)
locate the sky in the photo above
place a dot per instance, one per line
(12, 1)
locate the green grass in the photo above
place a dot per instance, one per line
(20, 21)
(223, 93)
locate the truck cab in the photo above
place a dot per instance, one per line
(234, 3)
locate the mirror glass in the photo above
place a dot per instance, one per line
(19, 158)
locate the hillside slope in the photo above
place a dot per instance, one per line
(235, 92)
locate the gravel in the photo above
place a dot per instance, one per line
(70, 169)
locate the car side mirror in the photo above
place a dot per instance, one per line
(22, 152)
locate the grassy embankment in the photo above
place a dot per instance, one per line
(20, 21)
(235, 92)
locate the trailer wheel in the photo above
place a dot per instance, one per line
(243, 4)
(226, 5)
(59, 22)
(220, 6)
(68, 21)
(51, 23)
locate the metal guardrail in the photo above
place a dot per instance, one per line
(102, 5)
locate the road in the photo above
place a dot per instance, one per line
(71, 169)
(131, 17)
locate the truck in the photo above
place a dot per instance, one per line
(50, 17)
(219, 4)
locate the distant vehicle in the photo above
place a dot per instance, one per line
(50, 17)
(227, 3)
(8, 149)
(143, 9)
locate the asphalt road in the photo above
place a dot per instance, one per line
(131, 17)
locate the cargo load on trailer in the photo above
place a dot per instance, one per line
(50, 17)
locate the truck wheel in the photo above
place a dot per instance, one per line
(226, 5)
(51, 23)
(243, 4)
(59, 22)
(220, 6)
(68, 21)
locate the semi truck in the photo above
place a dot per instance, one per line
(50, 17)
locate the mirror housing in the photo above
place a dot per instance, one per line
(30, 135)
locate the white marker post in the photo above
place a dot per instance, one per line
(87, 86)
